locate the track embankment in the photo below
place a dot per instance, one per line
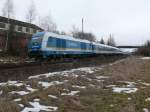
(21, 71)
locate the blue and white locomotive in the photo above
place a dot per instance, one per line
(47, 44)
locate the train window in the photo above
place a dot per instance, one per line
(60, 43)
(87, 46)
(36, 40)
(73, 44)
(2, 25)
(51, 42)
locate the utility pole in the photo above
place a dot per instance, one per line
(82, 25)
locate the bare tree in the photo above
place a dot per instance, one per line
(48, 24)
(85, 36)
(75, 30)
(31, 13)
(111, 41)
(102, 41)
(76, 33)
(8, 9)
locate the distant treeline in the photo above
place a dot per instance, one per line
(144, 50)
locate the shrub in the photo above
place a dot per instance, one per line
(144, 50)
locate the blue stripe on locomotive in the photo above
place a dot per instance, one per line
(57, 53)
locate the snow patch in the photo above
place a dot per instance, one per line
(36, 100)
(66, 89)
(72, 93)
(101, 77)
(80, 87)
(37, 108)
(147, 99)
(145, 58)
(145, 110)
(21, 105)
(111, 105)
(52, 96)
(129, 88)
(129, 84)
(20, 92)
(146, 84)
(17, 100)
(124, 90)
(129, 98)
(31, 89)
(48, 84)
(11, 83)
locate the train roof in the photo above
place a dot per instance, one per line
(65, 37)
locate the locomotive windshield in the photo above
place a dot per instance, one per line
(37, 38)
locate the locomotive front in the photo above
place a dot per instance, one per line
(35, 45)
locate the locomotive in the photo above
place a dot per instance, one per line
(48, 44)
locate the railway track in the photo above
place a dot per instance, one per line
(23, 71)
(35, 63)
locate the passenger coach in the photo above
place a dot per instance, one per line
(46, 44)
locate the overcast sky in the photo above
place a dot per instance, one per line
(127, 20)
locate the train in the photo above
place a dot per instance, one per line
(48, 44)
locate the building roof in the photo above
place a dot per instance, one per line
(20, 23)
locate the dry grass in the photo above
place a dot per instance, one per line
(8, 106)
